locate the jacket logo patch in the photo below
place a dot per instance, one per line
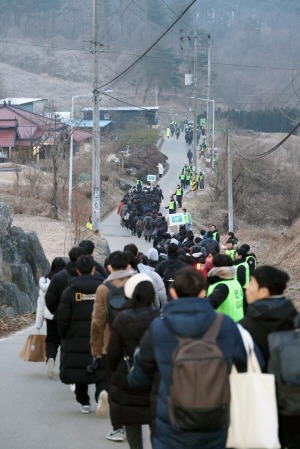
(84, 297)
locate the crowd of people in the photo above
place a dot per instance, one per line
(120, 325)
(108, 322)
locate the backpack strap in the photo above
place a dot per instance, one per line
(213, 330)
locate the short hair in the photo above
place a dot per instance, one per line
(119, 260)
(184, 210)
(246, 247)
(131, 259)
(172, 249)
(132, 248)
(75, 252)
(241, 252)
(143, 294)
(210, 234)
(188, 282)
(272, 278)
(85, 264)
(88, 246)
(222, 260)
(213, 225)
(230, 241)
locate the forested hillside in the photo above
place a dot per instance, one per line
(46, 50)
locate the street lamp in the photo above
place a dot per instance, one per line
(71, 155)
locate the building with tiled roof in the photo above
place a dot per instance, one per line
(23, 131)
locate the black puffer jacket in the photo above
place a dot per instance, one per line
(74, 316)
(128, 406)
(268, 315)
(58, 283)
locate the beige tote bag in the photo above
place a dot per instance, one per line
(253, 407)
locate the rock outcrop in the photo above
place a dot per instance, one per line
(22, 262)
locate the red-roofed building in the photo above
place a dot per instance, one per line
(24, 132)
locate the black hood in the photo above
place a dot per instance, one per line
(275, 313)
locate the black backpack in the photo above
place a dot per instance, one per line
(200, 391)
(168, 276)
(284, 363)
(115, 300)
(148, 223)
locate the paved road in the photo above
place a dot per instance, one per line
(39, 413)
(110, 227)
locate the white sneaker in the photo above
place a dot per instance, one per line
(50, 368)
(102, 404)
(116, 435)
(85, 409)
(73, 388)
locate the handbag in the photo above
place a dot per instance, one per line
(34, 348)
(253, 407)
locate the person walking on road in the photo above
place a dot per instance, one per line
(120, 271)
(179, 195)
(172, 205)
(131, 406)
(52, 339)
(59, 281)
(74, 316)
(270, 311)
(190, 156)
(189, 315)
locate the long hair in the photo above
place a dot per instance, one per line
(143, 295)
(58, 263)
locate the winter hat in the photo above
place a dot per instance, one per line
(133, 281)
(173, 240)
(153, 254)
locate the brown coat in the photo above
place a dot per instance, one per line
(100, 332)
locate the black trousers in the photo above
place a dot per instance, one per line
(52, 339)
(134, 436)
(81, 390)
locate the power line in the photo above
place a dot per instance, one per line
(133, 105)
(271, 150)
(119, 18)
(256, 66)
(151, 46)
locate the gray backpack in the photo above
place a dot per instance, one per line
(284, 363)
(200, 392)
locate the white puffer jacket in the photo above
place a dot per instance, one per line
(42, 311)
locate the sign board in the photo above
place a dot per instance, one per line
(176, 219)
(203, 122)
(151, 178)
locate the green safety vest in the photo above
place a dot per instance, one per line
(230, 253)
(215, 235)
(233, 304)
(200, 177)
(171, 205)
(188, 177)
(253, 259)
(139, 182)
(182, 176)
(245, 264)
(186, 218)
(178, 192)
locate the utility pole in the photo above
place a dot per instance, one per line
(229, 187)
(195, 89)
(209, 109)
(96, 128)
